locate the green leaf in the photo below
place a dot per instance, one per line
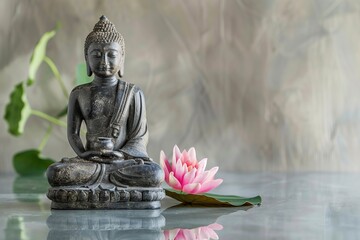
(81, 75)
(29, 162)
(18, 110)
(213, 199)
(38, 55)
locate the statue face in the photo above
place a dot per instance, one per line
(104, 59)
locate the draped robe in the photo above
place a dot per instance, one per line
(133, 134)
(129, 131)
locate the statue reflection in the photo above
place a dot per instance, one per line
(103, 225)
(178, 222)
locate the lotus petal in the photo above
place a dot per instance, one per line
(171, 234)
(202, 165)
(192, 188)
(189, 176)
(192, 156)
(185, 157)
(180, 235)
(211, 174)
(201, 177)
(176, 153)
(216, 226)
(164, 163)
(173, 182)
(208, 233)
(189, 234)
(179, 170)
(207, 186)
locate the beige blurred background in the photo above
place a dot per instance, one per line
(255, 85)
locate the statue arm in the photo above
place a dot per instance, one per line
(74, 120)
(137, 131)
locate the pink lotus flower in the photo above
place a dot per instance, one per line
(187, 174)
(201, 233)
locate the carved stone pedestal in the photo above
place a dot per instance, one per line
(118, 198)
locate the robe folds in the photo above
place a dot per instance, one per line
(119, 114)
(129, 131)
(128, 125)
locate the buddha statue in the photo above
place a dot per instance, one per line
(113, 169)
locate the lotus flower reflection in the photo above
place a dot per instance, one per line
(201, 233)
(186, 174)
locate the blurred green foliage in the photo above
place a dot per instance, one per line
(18, 110)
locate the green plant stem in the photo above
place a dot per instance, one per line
(45, 139)
(48, 118)
(57, 75)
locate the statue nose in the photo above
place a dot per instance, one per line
(104, 60)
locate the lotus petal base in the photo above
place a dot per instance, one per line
(120, 198)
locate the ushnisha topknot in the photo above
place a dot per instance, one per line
(104, 32)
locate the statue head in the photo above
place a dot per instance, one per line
(104, 50)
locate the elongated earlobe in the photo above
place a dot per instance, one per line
(88, 70)
(121, 71)
(120, 74)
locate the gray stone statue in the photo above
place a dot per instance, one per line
(113, 169)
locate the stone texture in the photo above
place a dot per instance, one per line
(85, 198)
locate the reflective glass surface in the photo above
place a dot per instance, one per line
(295, 206)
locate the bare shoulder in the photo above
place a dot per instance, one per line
(80, 89)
